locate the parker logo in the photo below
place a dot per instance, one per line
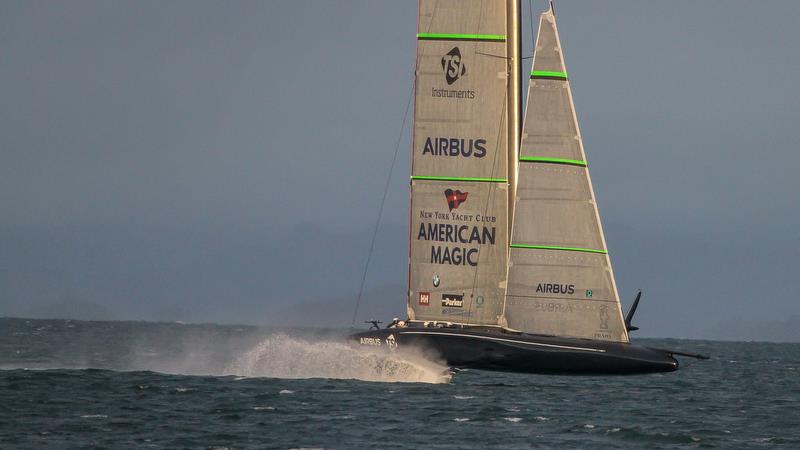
(453, 66)
(455, 198)
(424, 298)
(453, 300)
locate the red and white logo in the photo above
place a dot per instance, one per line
(424, 298)
(455, 198)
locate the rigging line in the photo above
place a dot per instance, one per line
(530, 13)
(380, 210)
(493, 56)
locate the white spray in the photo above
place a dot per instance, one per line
(283, 356)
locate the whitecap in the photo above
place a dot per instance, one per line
(286, 391)
(463, 397)
(542, 418)
(461, 419)
(589, 426)
(262, 408)
(513, 419)
(94, 416)
(182, 389)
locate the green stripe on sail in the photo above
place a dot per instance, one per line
(548, 74)
(542, 159)
(553, 247)
(461, 37)
(483, 180)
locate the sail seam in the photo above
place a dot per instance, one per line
(460, 37)
(542, 159)
(548, 75)
(555, 247)
(477, 179)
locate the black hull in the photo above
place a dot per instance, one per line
(491, 349)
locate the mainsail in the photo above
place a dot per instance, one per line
(560, 280)
(460, 170)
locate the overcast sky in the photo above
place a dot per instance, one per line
(219, 161)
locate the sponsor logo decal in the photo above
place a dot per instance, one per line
(452, 93)
(604, 317)
(424, 298)
(462, 234)
(552, 307)
(588, 293)
(479, 301)
(553, 288)
(375, 342)
(453, 66)
(436, 281)
(445, 146)
(455, 198)
(466, 230)
(453, 300)
(391, 342)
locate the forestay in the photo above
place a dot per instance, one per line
(459, 184)
(560, 279)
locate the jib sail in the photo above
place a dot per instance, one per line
(560, 280)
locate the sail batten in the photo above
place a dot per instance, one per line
(547, 159)
(476, 180)
(560, 281)
(555, 247)
(548, 75)
(461, 37)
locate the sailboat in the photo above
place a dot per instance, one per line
(508, 265)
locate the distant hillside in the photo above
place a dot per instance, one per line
(71, 309)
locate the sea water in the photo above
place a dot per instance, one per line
(71, 384)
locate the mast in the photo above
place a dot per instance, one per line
(514, 98)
